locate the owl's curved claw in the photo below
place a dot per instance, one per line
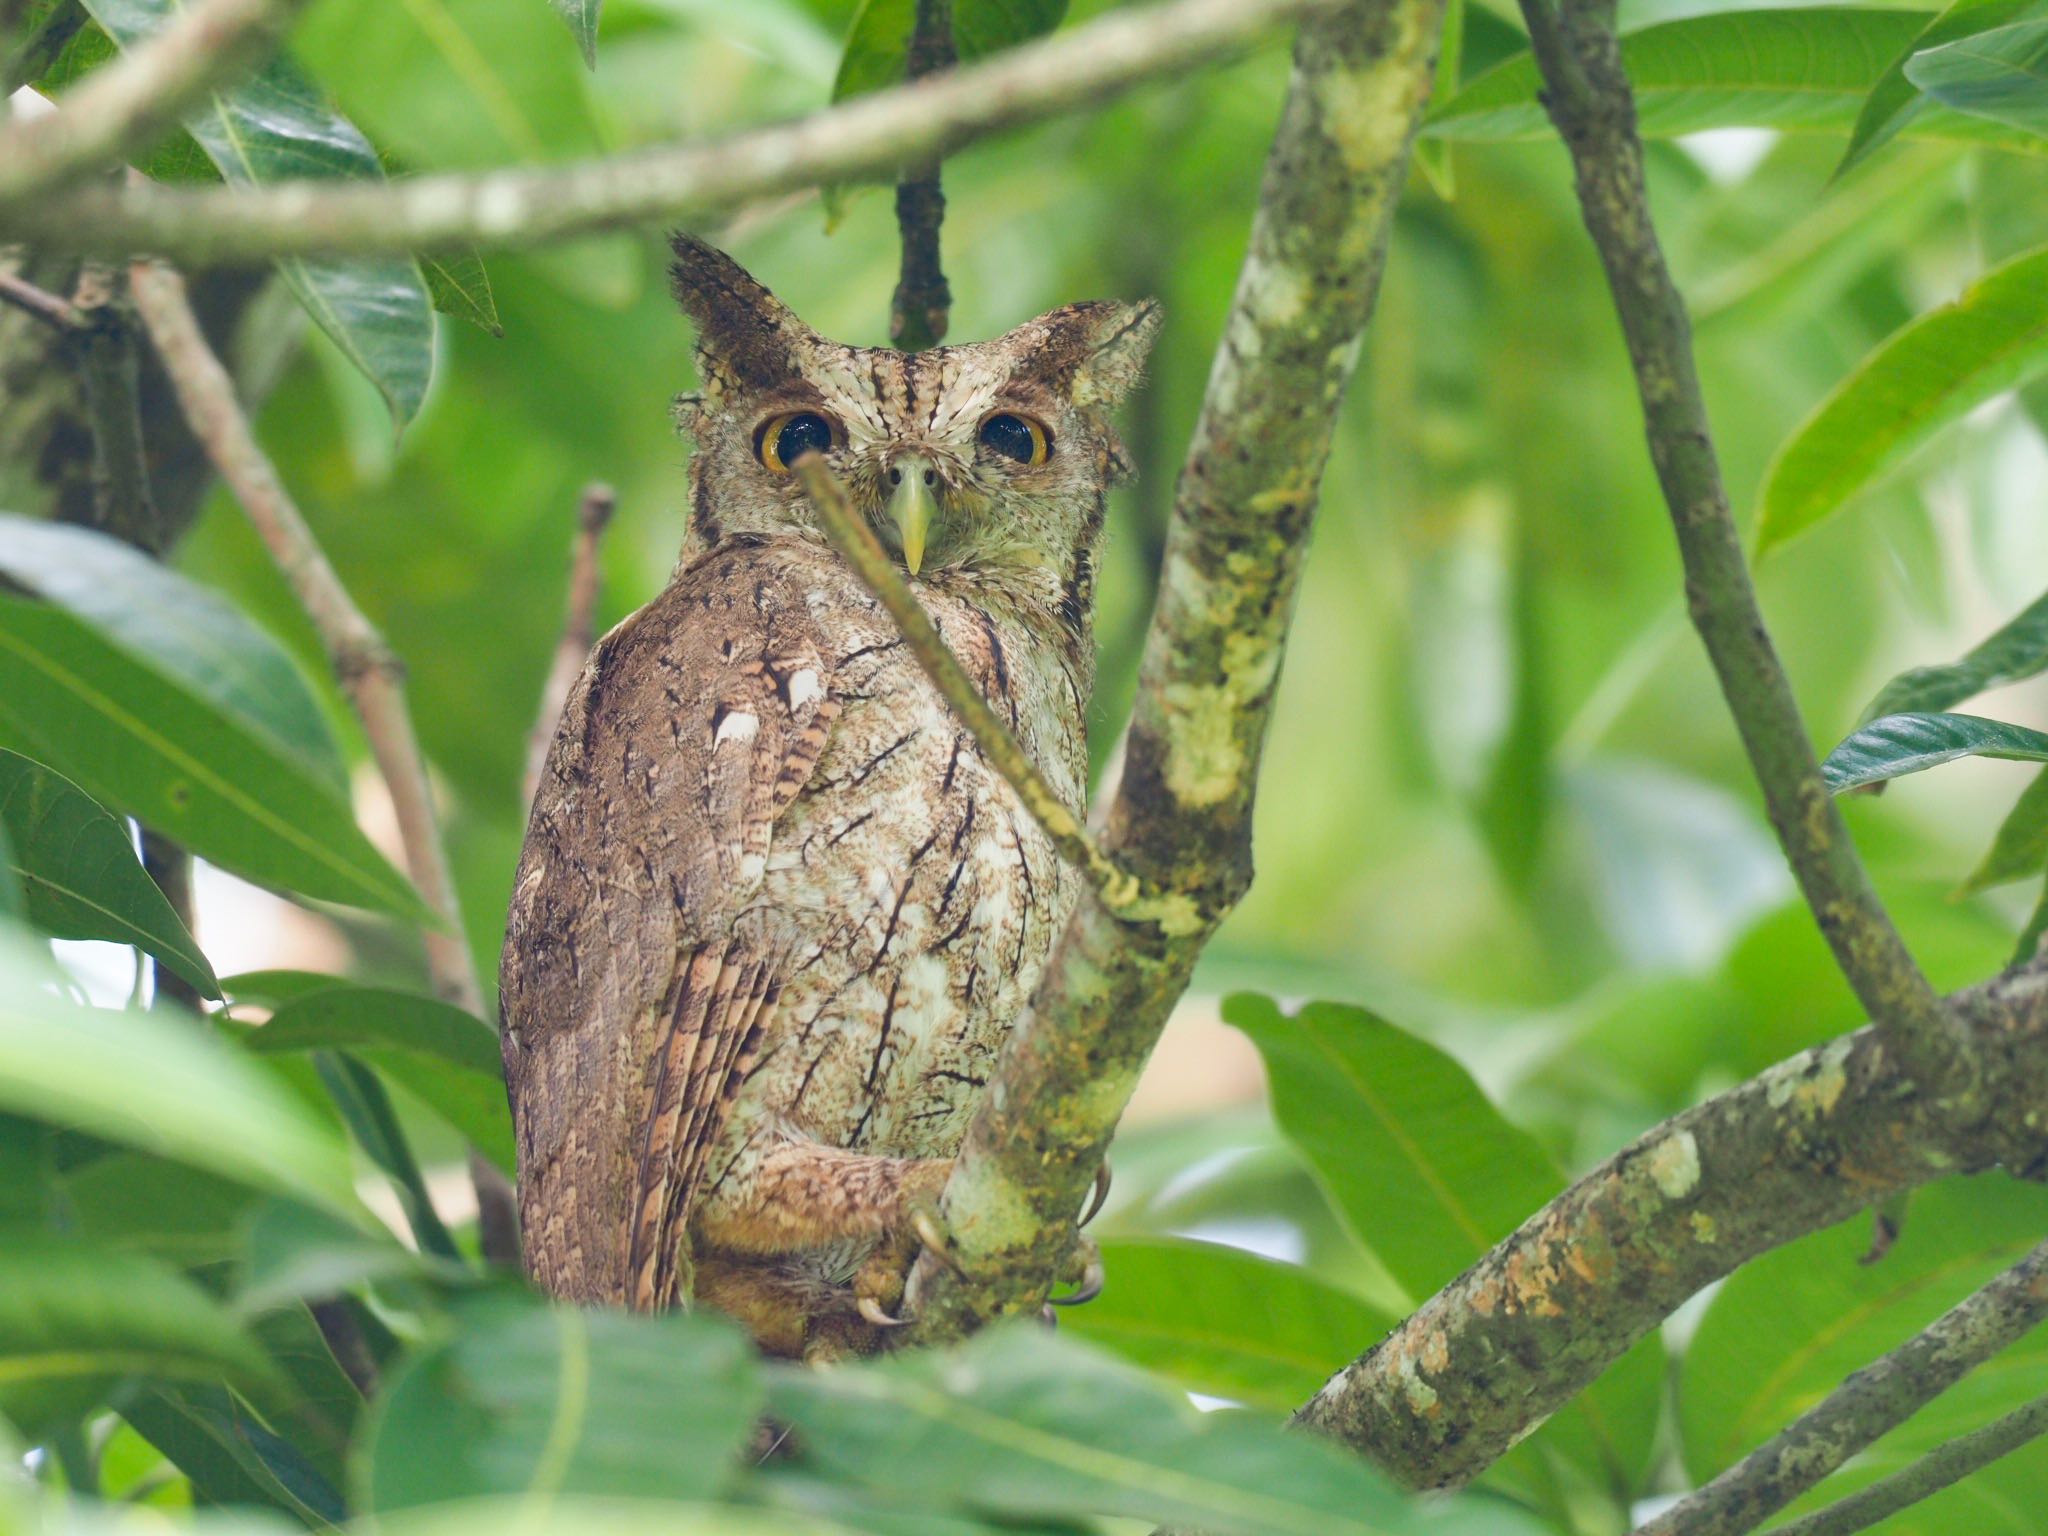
(1090, 1284)
(1098, 1196)
(1048, 1319)
(933, 1236)
(871, 1310)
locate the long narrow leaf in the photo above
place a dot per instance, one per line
(2020, 849)
(1894, 101)
(2018, 650)
(2000, 75)
(1897, 745)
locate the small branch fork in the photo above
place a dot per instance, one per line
(923, 300)
(1869, 1404)
(1588, 97)
(369, 672)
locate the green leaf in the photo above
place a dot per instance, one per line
(2020, 849)
(1898, 745)
(74, 1317)
(137, 739)
(459, 286)
(162, 1084)
(1019, 1425)
(2001, 75)
(878, 41)
(529, 1398)
(366, 1109)
(278, 125)
(80, 875)
(168, 1210)
(1806, 69)
(581, 15)
(189, 630)
(230, 1457)
(1933, 371)
(982, 27)
(293, 1252)
(1225, 1322)
(177, 158)
(1894, 101)
(2019, 650)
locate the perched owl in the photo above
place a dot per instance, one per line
(775, 914)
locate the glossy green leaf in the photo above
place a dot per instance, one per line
(2018, 650)
(79, 873)
(2020, 850)
(1897, 745)
(531, 1398)
(136, 739)
(879, 38)
(161, 1084)
(1225, 1322)
(1894, 101)
(275, 125)
(581, 15)
(1019, 1425)
(460, 286)
(2001, 75)
(189, 630)
(229, 1456)
(367, 1111)
(1932, 372)
(1806, 69)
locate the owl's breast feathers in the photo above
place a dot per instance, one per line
(769, 888)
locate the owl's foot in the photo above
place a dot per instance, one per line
(1083, 1271)
(878, 1285)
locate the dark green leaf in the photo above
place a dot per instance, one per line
(982, 27)
(230, 1458)
(2019, 650)
(80, 875)
(1931, 372)
(879, 38)
(172, 622)
(1898, 745)
(176, 158)
(367, 1111)
(1893, 101)
(581, 15)
(532, 1398)
(13, 903)
(278, 125)
(165, 1209)
(460, 286)
(1805, 69)
(136, 739)
(2001, 75)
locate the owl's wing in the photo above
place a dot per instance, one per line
(632, 1012)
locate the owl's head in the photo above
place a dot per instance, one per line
(981, 462)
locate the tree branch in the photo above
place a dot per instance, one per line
(139, 96)
(25, 296)
(1588, 97)
(579, 628)
(1871, 1403)
(1238, 534)
(1806, 1144)
(369, 672)
(923, 301)
(102, 342)
(1938, 1469)
(526, 206)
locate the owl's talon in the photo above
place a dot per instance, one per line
(871, 1310)
(1048, 1319)
(1098, 1196)
(1089, 1286)
(933, 1236)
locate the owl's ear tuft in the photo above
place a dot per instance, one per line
(1095, 352)
(746, 336)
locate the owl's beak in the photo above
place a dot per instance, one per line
(912, 481)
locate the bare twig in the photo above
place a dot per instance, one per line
(1806, 1144)
(1237, 539)
(1119, 890)
(368, 671)
(1869, 1404)
(579, 627)
(1938, 1469)
(31, 300)
(1588, 97)
(923, 302)
(130, 103)
(1080, 67)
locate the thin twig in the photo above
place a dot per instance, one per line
(44, 305)
(1119, 890)
(1938, 1469)
(923, 302)
(579, 627)
(126, 106)
(368, 671)
(1871, 1403)
(1588, 97)
(1080, 67)
(1237, 539)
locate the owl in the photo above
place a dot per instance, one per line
(775, 913)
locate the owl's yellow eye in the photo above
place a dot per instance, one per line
(1017, 437)
(781, 440)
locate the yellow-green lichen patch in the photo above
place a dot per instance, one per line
(1675, 1165)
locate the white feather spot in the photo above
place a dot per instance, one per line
(737, 726)
(751, 866)
(804, 687)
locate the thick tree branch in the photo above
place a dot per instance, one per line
(1239, 530)
(1588, 97)
(923, 301)
(134, 100)
(579, 629)
(369, 672)
(1938, 1469)
(1806, 1144)
(1871, 1403)
(1079, 67)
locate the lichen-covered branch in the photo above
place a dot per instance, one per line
(1806, 1144)
(1874, 1401)
(132, 101)
(366, 667)
(1938, 1469)
(1078, 67)
(579, 629)
(1181, 818)
(1588, 97)
(923, 301)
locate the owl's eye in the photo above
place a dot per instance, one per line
(1017, 437)
(782, 440)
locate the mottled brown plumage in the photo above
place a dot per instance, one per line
(775, 914)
